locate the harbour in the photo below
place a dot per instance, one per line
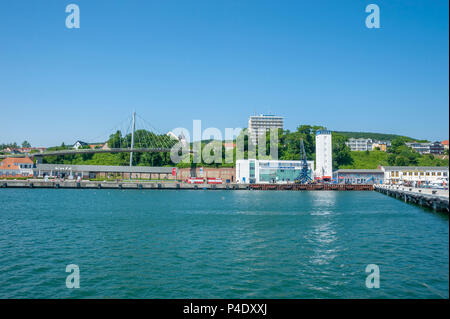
(219, 244)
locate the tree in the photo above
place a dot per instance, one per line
(341, 152)
(26, 144)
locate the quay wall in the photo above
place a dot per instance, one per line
(174, 185)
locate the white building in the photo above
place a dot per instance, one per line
(359, 144)
(414, 175)
(324, 149)
(422, 148)
(260, 124)
(270, 171)
(79, 144)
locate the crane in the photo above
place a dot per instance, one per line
(304, 176)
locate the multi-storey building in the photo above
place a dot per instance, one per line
(436, 148)
(359, 144)
(260, 124)
(381, 145)
(324, 149)
(422, 148)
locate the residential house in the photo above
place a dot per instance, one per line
(16, 167)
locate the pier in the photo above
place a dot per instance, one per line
(435, 199)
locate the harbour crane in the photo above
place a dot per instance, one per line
(304, 176)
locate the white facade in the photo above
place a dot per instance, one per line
(324, 159)
(260, 124)
(422, 148)
(414, 174)
(360, 144)
(269, 171)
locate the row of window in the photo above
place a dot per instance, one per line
(396, 173)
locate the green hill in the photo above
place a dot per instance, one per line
(375, 136)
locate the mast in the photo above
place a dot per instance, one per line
(132, 138)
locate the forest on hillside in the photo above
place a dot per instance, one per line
(288, 149)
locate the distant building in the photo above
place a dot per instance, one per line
(415, 175)
(270, 171)
(359, 176)
(381, 145)
(96, 146)
(27, 150)
(422, 148)
(445, 144)
(229, 146)
(260, 124)
(103, 171)
(359, 144)
(324, 149)
(79, 144)
(227, 174)
(436, 148)
(16, 167)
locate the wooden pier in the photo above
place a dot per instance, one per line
(434, 199)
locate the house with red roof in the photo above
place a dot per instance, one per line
(445, 143)
(16, 167)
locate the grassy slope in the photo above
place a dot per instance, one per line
(373, 159)
(375, 136)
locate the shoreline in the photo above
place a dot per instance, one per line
(178, 185)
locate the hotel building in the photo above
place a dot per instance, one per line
(260, 124)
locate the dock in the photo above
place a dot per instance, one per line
(39, 183)
(115, 185)
(435, 199)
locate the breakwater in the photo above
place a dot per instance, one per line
(435, 199)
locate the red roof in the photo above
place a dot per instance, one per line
(10, 162)
(444, 142)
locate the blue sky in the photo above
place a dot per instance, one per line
(313, 62)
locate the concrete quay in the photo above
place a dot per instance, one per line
(115, 185)
(435, 199)
(39, 183)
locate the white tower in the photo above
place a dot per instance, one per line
(324, 160)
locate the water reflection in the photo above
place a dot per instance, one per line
(323, 234)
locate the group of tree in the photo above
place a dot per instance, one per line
(288, 148)
(14, 145)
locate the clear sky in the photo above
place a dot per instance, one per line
(313, 62)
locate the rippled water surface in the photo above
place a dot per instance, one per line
(219, 244)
